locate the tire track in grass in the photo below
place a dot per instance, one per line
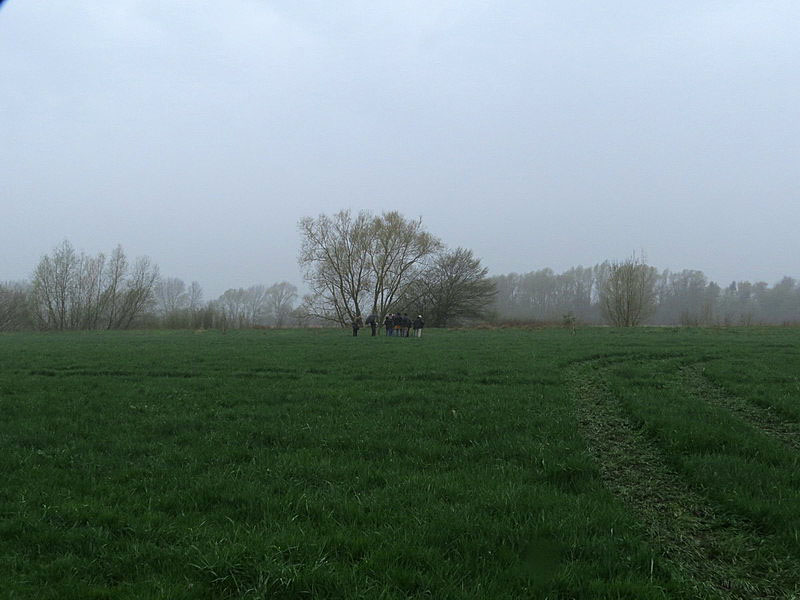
(761, 418)
(714, 556)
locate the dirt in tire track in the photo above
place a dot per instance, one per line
(712, 554)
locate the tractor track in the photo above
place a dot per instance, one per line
(763, 419)
(706, 550)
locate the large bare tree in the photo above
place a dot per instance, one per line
(628, 295)
(361, 263)
(335, 256)
(401, 251)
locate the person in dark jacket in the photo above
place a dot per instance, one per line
(357, 324)
(419, 323)
(372, 321)
(407, 324)
(388, 322)
(397, 319)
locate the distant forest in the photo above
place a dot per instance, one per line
(70, 290)
(687, 298)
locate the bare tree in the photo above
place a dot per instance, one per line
(358, 263)
(280, 302)
(195, 297)
(231, 305)
(335, 254)
(195, 305)
(255, 304)
(628, 296)
(54, 287)
(88, 291)
(72, 291)
(15, 306)
(241, 307)
(44, 294)
(170, 295)
(52, 282)
(398, 256)
(138, 293)
(116, 270)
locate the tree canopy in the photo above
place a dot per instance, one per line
(365, 263)
(356, 264)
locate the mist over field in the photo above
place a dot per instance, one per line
(537, 134)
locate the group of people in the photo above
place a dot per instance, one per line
(396, 324)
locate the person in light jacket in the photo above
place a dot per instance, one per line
(419, 323)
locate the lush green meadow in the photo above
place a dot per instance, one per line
(648, 463)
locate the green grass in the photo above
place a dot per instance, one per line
(310, 464)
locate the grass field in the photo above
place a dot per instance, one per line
(648, 463)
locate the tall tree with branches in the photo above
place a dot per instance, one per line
(628, 295)
(401, 251)
(456, 288)
(359, 263)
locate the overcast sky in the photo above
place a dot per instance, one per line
(538, 134)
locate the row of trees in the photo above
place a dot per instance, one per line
(360, 264)
(259, 305)
(631, 292)
(177, 306)
(71, 290)
(357, 264)
(354, 265)
(79, 291)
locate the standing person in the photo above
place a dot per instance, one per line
(407, 323)
(357, 323)
(372, 321)
(397, 322)
(388, 322)
(419, 323)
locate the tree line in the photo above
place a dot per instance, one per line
(632, 292)
(72, 290)
(353, 264)
(360, 264)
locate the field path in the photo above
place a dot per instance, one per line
(703, 549)
(759, 417)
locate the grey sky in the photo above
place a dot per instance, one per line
(539, 134)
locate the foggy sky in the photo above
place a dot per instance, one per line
(538, 134)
